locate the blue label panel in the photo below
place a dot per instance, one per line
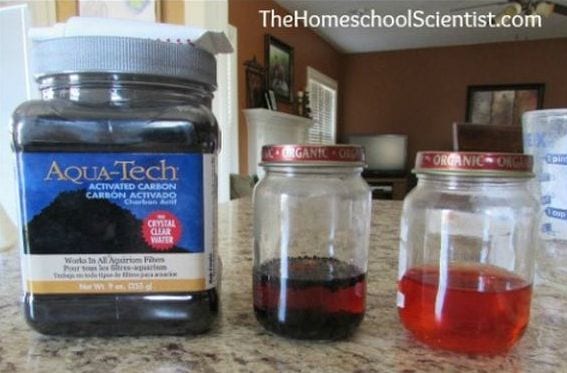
(112, 202)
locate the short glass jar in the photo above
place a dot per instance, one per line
(467, 246)
(311, 233)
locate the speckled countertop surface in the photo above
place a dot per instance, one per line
(239, 344)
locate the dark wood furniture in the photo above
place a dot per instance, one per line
(487, 138)
(398, 185)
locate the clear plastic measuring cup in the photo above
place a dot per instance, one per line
(545, 137)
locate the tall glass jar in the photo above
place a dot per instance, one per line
(117, 173)
(311, 233)
(467, 251)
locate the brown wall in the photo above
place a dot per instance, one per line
(309, 50)
(421, 92)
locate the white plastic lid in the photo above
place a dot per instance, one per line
(95, 54)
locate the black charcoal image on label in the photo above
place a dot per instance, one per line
(74, 224)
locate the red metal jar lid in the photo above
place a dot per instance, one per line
(313, 155)
(474, 163)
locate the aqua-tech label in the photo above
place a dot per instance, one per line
(117, 222)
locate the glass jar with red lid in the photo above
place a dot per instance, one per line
(311, 234)
(467, 245)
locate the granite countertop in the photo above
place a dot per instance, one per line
(239, 344)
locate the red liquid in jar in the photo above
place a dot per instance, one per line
(476, 309)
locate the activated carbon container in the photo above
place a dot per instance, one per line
(117, 181)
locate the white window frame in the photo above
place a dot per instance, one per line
(213, 15)
(319, 77)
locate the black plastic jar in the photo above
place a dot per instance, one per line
(117, 172)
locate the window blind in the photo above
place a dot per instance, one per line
(323, 104)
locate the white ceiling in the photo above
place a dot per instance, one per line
(362, 40)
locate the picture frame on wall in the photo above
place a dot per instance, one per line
(502, 104)
(279, 68)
